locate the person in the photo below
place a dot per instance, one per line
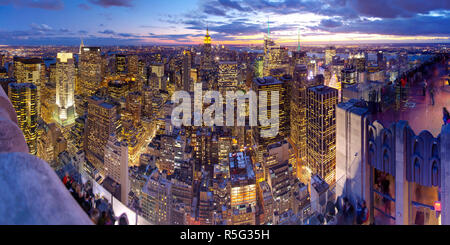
(123, 219)
(361, 213)
(446, 116)
(95, 215)
(425, 84)
(432, 96)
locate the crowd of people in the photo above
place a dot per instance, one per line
(98, 209)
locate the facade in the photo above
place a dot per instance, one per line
(321, 131)
(116, 165)
(23, 97)
(65, 90)
(90, 70)
(410, 165)
(243, 189)
(228, 73)
(102, 121)
(31, 70)
(263, 135)
(330, 52)
(298, 119)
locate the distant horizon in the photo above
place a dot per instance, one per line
(230, 22)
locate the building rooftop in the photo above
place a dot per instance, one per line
(263, 81)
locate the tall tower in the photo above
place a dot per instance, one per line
(227, 76)
(90, 67)
(116, 165)
(31, 70)
(102, 120)
(65, 88)
(321, 131)
(207, 59)
(23, 97)
(186, 70)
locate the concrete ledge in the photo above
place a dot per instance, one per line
(32, 194)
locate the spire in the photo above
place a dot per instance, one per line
(268, 27)
(207, 36)
(298, 48)
(81, 45)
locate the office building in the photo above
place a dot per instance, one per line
(65, 88)
(321, 131)
(23, 97)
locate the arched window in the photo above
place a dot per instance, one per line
(416, 147)
(386, 161)
(417, 170)
(434, 150)
(435, 174)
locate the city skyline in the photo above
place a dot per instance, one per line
(136, 22)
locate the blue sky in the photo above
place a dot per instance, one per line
(117, 22)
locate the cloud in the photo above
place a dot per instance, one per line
(418, 25)
(42, 4)
(330, 23)
(84, 6)
(112, 3)
(40, 27)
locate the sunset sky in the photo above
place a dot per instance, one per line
(141, 22)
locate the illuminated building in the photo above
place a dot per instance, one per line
(380, 59)
(65, 88)
(227, 76)
(270, 85)
(207, 59)
(156, 199)
(280, 181)
(121, 64)
(90, 70)
(348, 76)
(330, 52)
(102, 120)
(321, 131)
(23, 97)
(48, 105)
(186, 71)
(31, 70)
(298, 104)
(50, 142)
(243, 189)
(266, 203)
(158, 71)
(133, 65)
(147, 102)
(120, 87)
(116, 165)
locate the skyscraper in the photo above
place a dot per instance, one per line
(207, 59)
(23, 97)
(271, 85)
(186, 70)
(101, 123)
(227, 76)
(121, 64)
(65, 88)
(116, 165)
(90, 69)
(31, 70)
(321, 131)
(243, 189)
(330, 52)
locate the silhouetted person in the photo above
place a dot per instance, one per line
(446, 117)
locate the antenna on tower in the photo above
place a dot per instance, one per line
(298, 41)
(268, 27)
